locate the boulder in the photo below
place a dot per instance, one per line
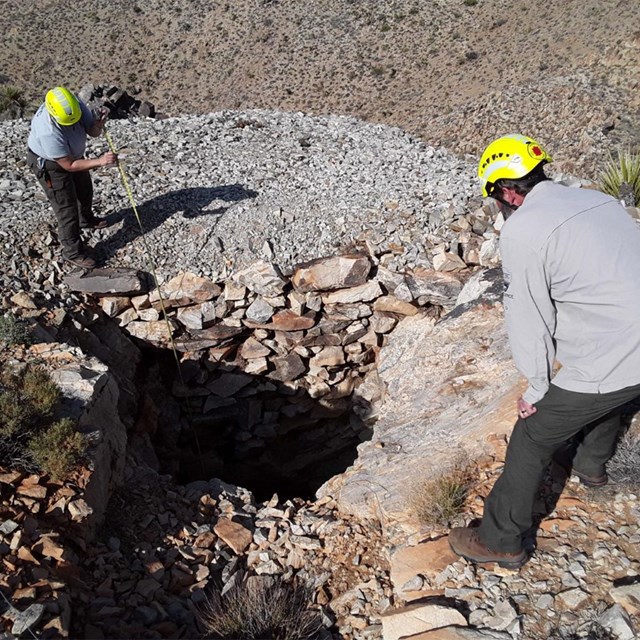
(262, 278)
(89, 395)
(362, 293)
(328, 274)
(287, 368)
(187, 288)
(446, 261)
(233, 534)
(433, 287)
(448, 386)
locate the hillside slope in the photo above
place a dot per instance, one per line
(451, 73)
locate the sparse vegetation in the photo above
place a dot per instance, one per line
(624, 467)
(13, 331)
(621, 177)
(261, 608)
(28, 438)
(58, 449)
(13, 100)
(440, 500)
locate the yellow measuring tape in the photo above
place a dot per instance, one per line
(152, 269)
(151, 266)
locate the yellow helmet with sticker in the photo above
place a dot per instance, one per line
(63, 106)
(510, 157)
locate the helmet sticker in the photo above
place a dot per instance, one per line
(535, 151)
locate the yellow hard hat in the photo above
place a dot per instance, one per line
(511, 157)
(63, 106)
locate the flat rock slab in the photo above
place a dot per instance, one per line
(417, 618)
(427, 558)
(103, 282)
(459, 633)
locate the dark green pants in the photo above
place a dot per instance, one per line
(560, 415)
(71, 197)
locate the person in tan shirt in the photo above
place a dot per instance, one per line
(571, 264)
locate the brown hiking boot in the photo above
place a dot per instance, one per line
(466, 542)
(84, 262)
(564, 459)
(591, 481)
(95, 223)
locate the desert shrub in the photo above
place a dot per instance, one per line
(261, 608)
(39, 391)
(26, 398)
(624, 467)
(440, 500)
(13, 331)
(28, 440)
(621, 177)
(470, 3)
(58, 449)
(12, 99)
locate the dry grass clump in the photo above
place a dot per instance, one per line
(261, 608)
(438, 501)
(26, 397)
(624, 467)
(28, 438)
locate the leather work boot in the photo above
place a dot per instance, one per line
(95, 223)
(564, 459)
(591, 481)
(466, 543)
(84, 262)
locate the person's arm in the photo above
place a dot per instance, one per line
(83, 164)
(530, 316)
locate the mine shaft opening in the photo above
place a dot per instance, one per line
(214, 420)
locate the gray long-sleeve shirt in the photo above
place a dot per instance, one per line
(571, 261)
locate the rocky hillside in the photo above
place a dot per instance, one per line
(453, 72)
(294, 134)
(126, 551)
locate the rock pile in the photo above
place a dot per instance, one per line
(217, 192)
(119, 103)
(269, 349)
(284, 368)
(162, 548)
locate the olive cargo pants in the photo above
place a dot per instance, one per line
(560, 415)
(71, 197)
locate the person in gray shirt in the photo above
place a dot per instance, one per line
(571, 264)
(57, 143)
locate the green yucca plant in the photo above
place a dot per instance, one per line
(621, 177)
(12, 98)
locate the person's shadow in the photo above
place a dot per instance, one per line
(191, 202)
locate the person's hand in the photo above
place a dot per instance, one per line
(103, 114)
(108, 159)
(525, 409)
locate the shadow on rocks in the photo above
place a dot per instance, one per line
(191, 202)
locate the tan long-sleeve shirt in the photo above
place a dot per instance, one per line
(571, 261)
